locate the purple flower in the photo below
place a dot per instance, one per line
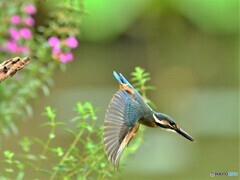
(71, 42)
(26, 33)
(15, 19)
(14, 33)
(53, 41)
(64, 58)
(29, 21)
(29, 9)
(12, 46)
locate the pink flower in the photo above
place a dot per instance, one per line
(15, 19)
(23, 49)
(69, 56)
(64, 58)
(53, 41)
(71, 42)
(14, 33)
(29, 9)
(12, 46)
(26, 33)
(56, 50)
(29, 21)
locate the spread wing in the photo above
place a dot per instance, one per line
(121, 123)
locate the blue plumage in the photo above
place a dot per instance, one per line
(121, 79)
(126, 111)
(117, 77)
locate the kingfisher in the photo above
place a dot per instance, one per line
(126, 111)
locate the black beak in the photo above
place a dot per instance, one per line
(184, 134)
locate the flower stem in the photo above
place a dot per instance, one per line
(67, 153)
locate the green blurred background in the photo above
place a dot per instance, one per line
(191, 49)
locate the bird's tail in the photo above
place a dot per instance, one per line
(120, 78)
(117, 77)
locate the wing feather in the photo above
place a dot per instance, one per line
(119, 125)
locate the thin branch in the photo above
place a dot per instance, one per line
(9, 67)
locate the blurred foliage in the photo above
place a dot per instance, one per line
(140, 78)
(214, 16)
(63, 19)
(119, 15)
(37, 76)
(104, 20)
(83, 158)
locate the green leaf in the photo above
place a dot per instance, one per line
(9, 170)
(20, 165)
(8, 154)
(80, 108)
(50, 113)
(20, 176)
(51, 135)
(108, 174)
(73, 4)
(29, 110)
(59, 123)
(43, 157)
(61, 167)
(25, 143)
(58, 150)
(45, 90)
(46, 124)
(82, 125)
(72, 132)
(75, 119)
(71, 158)
(149, 88)
(90, 145)
(39, 141)
(103, 164)
(31, 157)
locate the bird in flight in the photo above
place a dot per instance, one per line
(126, 111)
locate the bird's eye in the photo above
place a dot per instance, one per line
(172, 124)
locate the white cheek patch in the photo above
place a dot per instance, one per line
(156, 119)
(163, 122)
